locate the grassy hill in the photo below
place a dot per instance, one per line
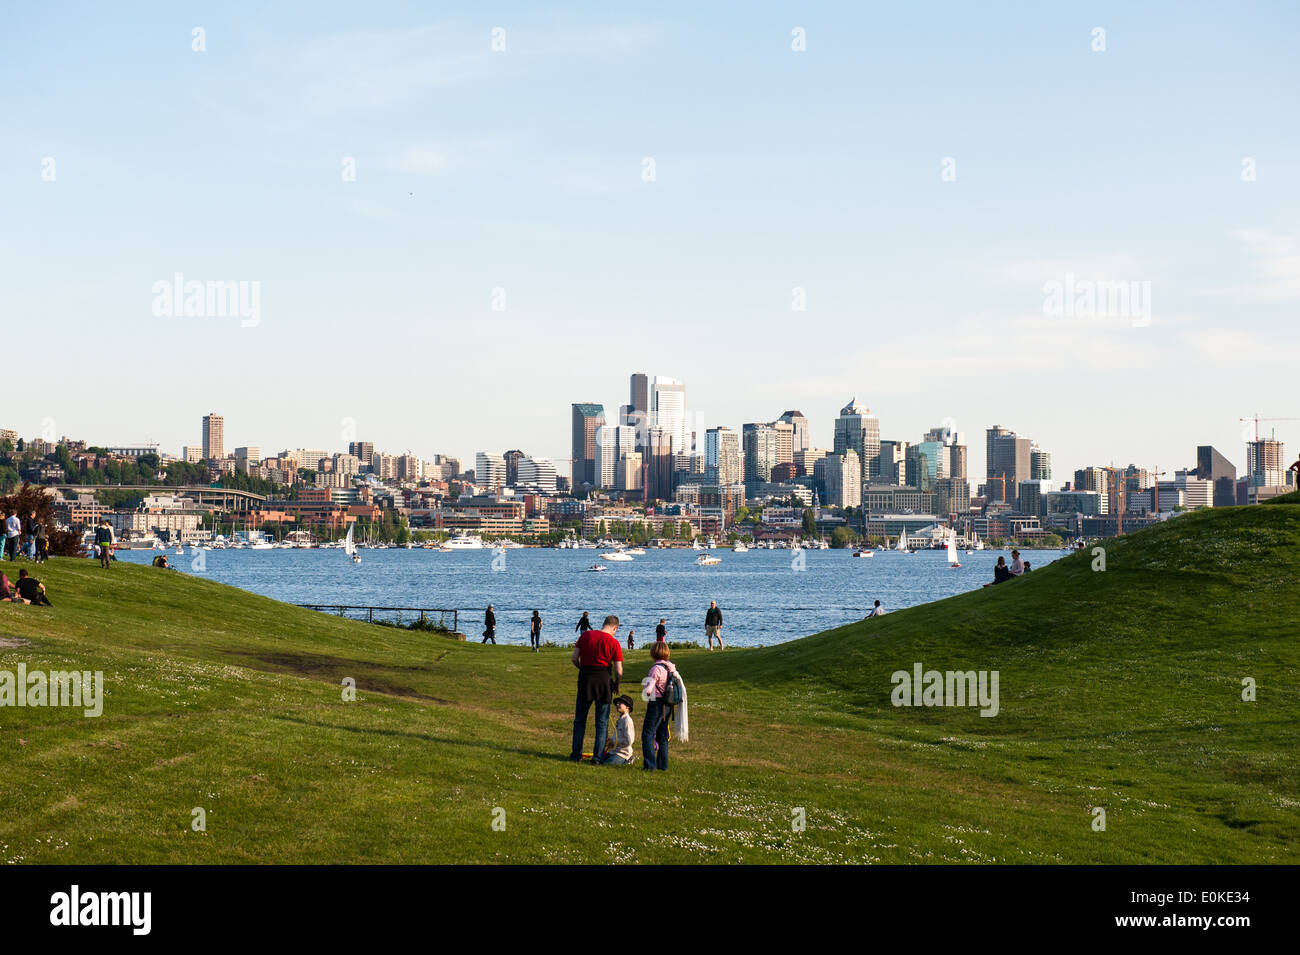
(1119, 689)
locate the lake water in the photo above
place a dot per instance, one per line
(764, 600)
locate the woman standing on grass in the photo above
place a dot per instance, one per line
(655, 687)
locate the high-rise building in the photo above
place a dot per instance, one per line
(1040, 464)
(612, 441)
(669, 412)
(1214, 467)
(214, 436)
(1007, 464)
(759, 443)
(408, 467)
(797, 421)
(489, 469)
(843, 479)
(722, 455)
(246, 458)
(1266, 463)
(512, 466)
(658, 465)
(587, 418)
(363, 451)
(858, 430)
(628, 472)
(1091, 479)
(891, 465)
(538, 473)
(784, 441)
(923, 465)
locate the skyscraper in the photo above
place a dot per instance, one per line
(669, 412)
(214, 436)
(858, 430)
(800, 424)
(843, 479)
(759, 445)
(1040, 464)
(1007, 463)
(363, 451)
(512, 466)
(612, 442)
(722, 457)
(1222, 473)
(587, 418)
(1266, 463)
(489, 469)
(658, 464)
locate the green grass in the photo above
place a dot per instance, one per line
(1119, 689)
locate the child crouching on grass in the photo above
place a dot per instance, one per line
(625, 732)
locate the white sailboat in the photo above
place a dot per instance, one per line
(952, 551)
(350, 547)
(902, 541)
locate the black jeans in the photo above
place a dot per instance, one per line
(490, 634)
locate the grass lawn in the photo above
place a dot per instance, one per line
(1119, 689)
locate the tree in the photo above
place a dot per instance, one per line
(840, 537)
(809, 523)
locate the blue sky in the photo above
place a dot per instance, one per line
(774, 169)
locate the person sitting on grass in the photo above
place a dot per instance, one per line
(624, 733)
(31, 590)
(7, 592)
(161, 561)
(1001, 572)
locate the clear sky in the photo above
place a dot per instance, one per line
(523, 170)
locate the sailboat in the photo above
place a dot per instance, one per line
(952, 551)
(349, 547)
(902, 541)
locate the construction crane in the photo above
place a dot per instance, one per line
(1257, 419)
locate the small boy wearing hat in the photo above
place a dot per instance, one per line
(625, 732)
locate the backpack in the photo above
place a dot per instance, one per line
(672, 694)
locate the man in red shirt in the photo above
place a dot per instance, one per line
(599, 660)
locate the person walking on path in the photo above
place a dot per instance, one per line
(535, 631)
(583, 625)
(599, 660)
(490, 626)
(658, 711)
(13, 528)
(104, 539)
(713, 624)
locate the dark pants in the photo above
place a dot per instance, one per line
(654, 734)
(594, 686)
(490, 634)
(537, 640)
(105, 554)
(42, 550)
(11, 547)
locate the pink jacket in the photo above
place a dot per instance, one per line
(656, 680)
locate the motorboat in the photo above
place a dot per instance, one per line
(707, 560)
(739, 548)
(597, 568)
(616, 555)
(864, 553)
(464, 542)
(635, 552)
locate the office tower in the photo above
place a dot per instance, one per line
(1040, 464)
(891, 465)
(348, 465)
(858, 430)
(536, 473)
(612, 441)
(628, 472)
(843, 479)
(722, 452)
(489, 469)
(512, 466)
(363, 451)
(214, 436)
(951, 496)
(669, 411)
(1265, 463)
(639, 393)
(586, 419)
(784, 441)
(797, 421)
(1214, 467)
(922, 465)
(658, 465)
(1007, 463)
(1032, 496)
(759, 446)
(808, 459)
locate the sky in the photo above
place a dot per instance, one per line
(546, 201)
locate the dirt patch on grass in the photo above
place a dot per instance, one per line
(321, 666)
(13, 643)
